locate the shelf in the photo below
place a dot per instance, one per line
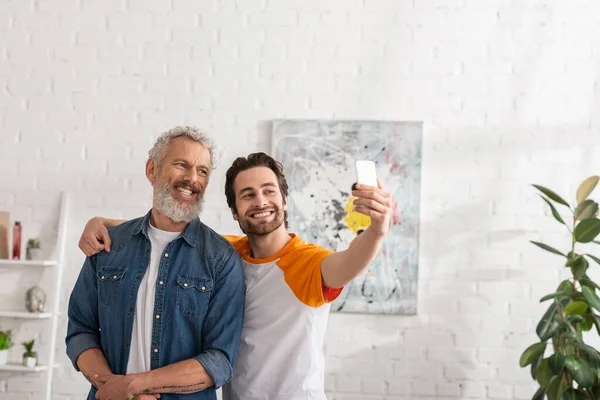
(21, 368)
(24, 315)
(26, 263)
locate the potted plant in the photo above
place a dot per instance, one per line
(564, 366)
(33, 250)
(30, 356)
(5, 344)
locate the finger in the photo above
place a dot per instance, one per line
(106, 239)
(374, 215)
(370, 194)
(370, 204)
(95, 244)
(379, 184)
(87, 250)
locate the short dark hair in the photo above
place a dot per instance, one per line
(253, 160)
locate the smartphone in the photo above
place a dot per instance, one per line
(366, 173)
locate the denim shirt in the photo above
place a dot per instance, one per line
(200, 302)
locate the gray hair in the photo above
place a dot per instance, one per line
(157, 152)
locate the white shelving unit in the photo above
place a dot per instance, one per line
(57, 267)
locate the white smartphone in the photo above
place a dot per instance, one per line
(366, 173)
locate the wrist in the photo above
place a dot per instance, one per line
(138, 383)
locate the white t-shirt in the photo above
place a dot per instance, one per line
(141, 335)
(280, 356)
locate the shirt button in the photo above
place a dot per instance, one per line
(115, 277)
(167, 255)
(102, 277)
(160, 283)
(156, 350)
(185, 285)
(203, 288)
(157, 316)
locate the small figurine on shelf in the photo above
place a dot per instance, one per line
(5, 344)
(35, 299)
(16, 255)
(30, 356)
(33, 250)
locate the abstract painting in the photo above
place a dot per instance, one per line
(318, 158)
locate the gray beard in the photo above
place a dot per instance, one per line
(165, 204)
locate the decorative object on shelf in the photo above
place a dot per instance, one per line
(35, 299)
(4, 229)
(33, 252)
(5, 344)
(560, 361)
(16, 255)
(30, 356)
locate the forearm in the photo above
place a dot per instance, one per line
(340, 268)
(183, 377)
(109, 223)
(91, 363)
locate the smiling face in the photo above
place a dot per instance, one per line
(180, 179)
(260, 206)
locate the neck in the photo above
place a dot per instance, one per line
(164, 223)
(267, 245)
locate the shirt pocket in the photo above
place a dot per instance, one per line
(193, 295)
(109, 285)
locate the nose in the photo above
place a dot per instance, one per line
(191, 177)
(260, 201)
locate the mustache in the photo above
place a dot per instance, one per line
(257, 210)
(187, 185)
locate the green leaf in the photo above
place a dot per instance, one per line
(588, 322)
(576, 308)
(566, 286)
(591, 297)
(588, 282)
(556, 362)
(554, 296)
(555, 213)
(580, 372)
(587, 230)
(575, 319)
(579, 267)
(553, 196)
(539, 394)
(586, 187)
(548, 248)
(532, 353)
(534, 366)
(591, 352)
(594, 258)
(586, 210)
(553, 388)
(543, 373)
(574, 394)
(548, 326)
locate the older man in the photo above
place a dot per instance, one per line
(161, 313)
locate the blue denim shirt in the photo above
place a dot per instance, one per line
(201, 302)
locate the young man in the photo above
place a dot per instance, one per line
(161, 314)
(289, 283)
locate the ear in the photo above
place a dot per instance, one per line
(284, 204)
(234, 214)
(151, 171)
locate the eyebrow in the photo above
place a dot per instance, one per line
(179, 159)
(249, 189)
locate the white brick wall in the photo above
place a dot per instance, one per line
(507, 88)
